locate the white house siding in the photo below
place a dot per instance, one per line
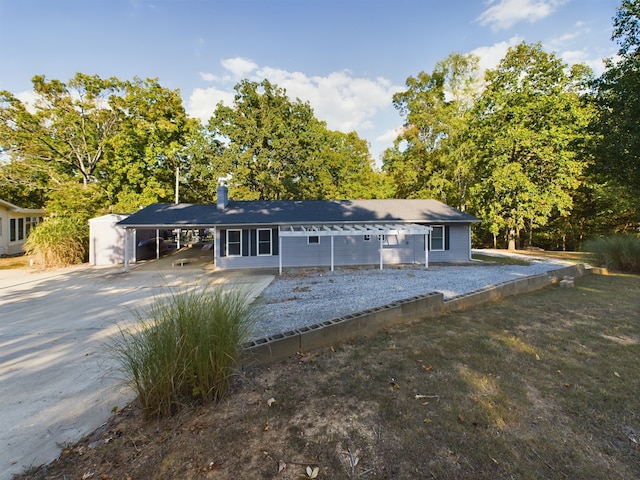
(20, 223)
(4, 231)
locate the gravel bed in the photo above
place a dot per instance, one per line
(307, 297)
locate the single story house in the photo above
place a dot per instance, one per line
(15, 225)
(325, 233)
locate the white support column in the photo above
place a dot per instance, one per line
(127, 253)
(426, 252)
(279, 254)
(157, 243)
(331, 253)
(381, 247)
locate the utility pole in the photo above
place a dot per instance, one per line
(177, 184)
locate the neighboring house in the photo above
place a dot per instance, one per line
(326, 233)
(15, 225)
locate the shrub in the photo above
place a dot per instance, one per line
(184, 348)
(617, 252)
(58, 242)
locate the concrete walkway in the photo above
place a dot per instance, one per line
(57, 383)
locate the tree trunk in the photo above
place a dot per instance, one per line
(512, 240)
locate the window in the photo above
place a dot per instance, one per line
(264, 241)
(439, 238)
(313, 240)
(234, 243)
(12, 230)
(367, 238)
(31, 222)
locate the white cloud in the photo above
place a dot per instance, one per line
(345, 102)
(490, 56)
(208, 77)
(506, 13)
(571, 57)
(29, 99)
(203, 101)
(342, 100)
(239, 67)
(390, 135)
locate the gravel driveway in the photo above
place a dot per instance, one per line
(307, 297)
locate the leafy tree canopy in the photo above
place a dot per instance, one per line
(432, 157)
(276, 149)
(530, 122)
(618, 152)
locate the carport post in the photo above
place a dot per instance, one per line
(157, 243)
(381, 247)
(127, 254)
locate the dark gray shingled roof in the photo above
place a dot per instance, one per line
(289, 212)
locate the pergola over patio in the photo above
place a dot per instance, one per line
(342, 230)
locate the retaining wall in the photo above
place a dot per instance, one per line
(331, 332)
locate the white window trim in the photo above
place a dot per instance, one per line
(317, 237)
(235, 243)
(431, 238)
(258, 242)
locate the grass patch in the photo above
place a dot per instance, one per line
(573, 257)
(14, 263)
(183, 349)
(504, 260)
(543, 385)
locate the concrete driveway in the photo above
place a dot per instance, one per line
(57, 383)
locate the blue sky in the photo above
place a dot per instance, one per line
(346, 57)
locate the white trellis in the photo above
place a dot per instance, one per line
(343, 230)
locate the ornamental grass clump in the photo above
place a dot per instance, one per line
(617, 252)
(58, 242)
(184, 348)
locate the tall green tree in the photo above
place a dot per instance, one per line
(530, 125)
(64, 134)
(143, 154)
(276, 149)
(618, 99)
(124, 139)
(433, 156)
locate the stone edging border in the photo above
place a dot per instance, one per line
(331, 332)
